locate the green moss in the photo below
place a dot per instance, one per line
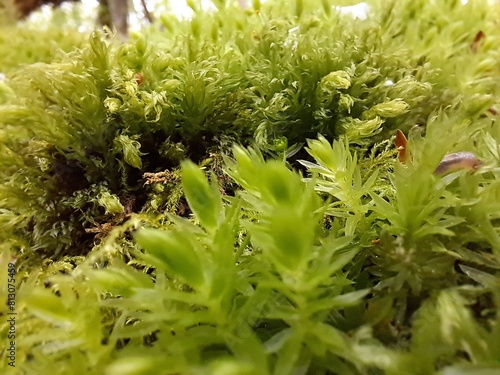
(306, 247)
(31, 41)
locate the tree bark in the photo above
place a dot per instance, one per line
(114, 14)
(119, 16)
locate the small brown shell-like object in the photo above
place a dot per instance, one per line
(139, 78)
(477, 40)
(457, 161)
(401, 144)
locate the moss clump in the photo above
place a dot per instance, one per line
(102, 116)
(41, 39)
(132, 260)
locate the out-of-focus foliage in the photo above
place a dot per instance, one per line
(31, 41)
(269, 291)
(132, 260)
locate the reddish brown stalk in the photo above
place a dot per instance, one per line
(401, 143)
(477, 40)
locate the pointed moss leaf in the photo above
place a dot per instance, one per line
(5, 92)
(330, 336)
(346, 102)
(468, 369)
(391, 108)
(110, 202)
(275, 343)
(289, 354)
(247, 347)
(186, 225)
(486, 279)
(428, 230)
(315, 168)
(203, 198)
(293, 149)
(340, 260)
(248, 162)
(48, 306)
(173, 252)
(339, 79)
(119, 278)
(358, 130)
(135, 365)
(278, 184)
(349, 299)
(233, 367)
(288, 234)
(130, 149)
(331, 157)
(385, 209)
(286, 239)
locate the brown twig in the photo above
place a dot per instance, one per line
(147, 14)
(477, 40)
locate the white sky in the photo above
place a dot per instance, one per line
(87, 10)
(181, 9)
